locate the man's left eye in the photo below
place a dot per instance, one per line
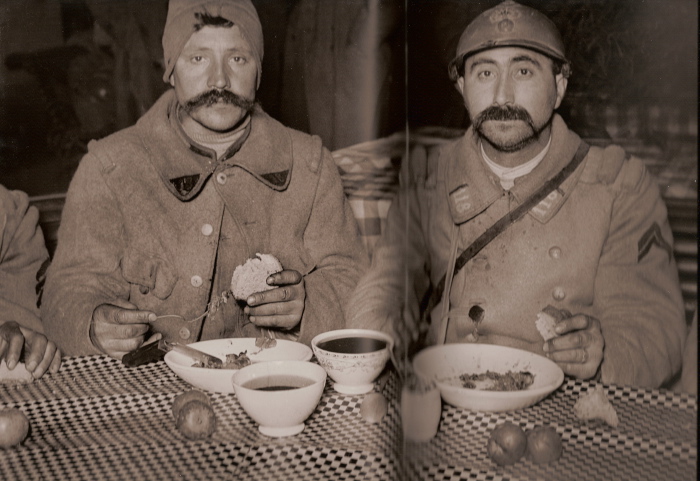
(239, 60)
(524, 72)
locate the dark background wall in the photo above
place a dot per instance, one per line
(75, 70)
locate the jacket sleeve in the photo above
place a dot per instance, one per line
(332, 239)
(22, 257)
(387, 297)
(85, 270)
(637, 291)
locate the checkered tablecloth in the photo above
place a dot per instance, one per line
(655, 440)
(99, 420)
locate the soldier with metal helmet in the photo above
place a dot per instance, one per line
(520, 216)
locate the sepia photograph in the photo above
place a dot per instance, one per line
(405, 240)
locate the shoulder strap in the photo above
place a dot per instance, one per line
(433, 296)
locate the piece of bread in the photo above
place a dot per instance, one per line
(546, 320)
(594, 404)
(251, 277)
(18, 375)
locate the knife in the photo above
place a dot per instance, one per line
(154, 351)
(206, 359)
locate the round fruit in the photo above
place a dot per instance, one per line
(187, 396)
(543, 445)
(196, 420)
(507, 443)
(374, 407)
(14, 427)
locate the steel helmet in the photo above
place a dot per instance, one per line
(509, 24)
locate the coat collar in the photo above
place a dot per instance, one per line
(472, 187)
(265, 151)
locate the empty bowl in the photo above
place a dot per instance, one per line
(353, 358)
(219, 380)
(279, 395)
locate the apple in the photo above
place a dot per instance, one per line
(14, 427)
(507, 443)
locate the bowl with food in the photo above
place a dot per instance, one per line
(234, 354)
(279, 395)
(353, 358)
(485, 377)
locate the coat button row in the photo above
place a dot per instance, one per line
(221, 178)
(196, 281)
(207, 229)
(184, 333)
(555, 252)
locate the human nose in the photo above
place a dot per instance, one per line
(504, 90)
(218, 76)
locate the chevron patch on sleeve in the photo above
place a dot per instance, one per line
(652, 237)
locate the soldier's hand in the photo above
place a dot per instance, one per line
(579, 347)
(281, 307)
(119, 327)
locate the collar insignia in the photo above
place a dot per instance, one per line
(461, 199)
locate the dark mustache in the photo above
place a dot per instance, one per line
(507, 112)
(211, 97)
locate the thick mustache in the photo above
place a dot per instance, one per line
(211, 97)
(506, 112)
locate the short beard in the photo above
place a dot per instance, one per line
(207, 99)
(509, 113)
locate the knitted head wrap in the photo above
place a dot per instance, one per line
(181, 24)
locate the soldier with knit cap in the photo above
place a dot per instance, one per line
(159, 215)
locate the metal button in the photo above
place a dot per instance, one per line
(207, 229)
(196, 281)
(221, 178)
(144, 290)
(559, 293)
(555, 252)
(184, 333)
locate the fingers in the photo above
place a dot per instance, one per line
(578, 352)
(117, 330)
(287, 293)
(12, 348)
(45, 362)
(285, 277)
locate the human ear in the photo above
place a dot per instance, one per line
(561, 83)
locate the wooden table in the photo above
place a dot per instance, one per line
(99, 420)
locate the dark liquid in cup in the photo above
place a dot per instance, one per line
(353, 345)
(278, 382)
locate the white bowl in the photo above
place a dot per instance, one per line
(353, 373)
(279, 412)
(219, 380)
(446, 363)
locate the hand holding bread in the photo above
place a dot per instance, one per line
(575, 342)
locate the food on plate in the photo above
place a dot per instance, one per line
(233, 361)
(507, 444)
(196, 420)
(264, 343)
(373, 408)
(182, 399)
(18, 375)
(251, 277)
(546, 321)
(543, 445)
(594, 404)
(494, 381)
(14, 427)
